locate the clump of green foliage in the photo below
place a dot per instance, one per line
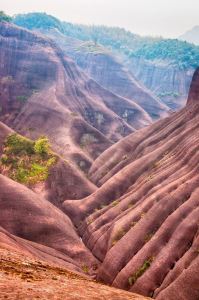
(118, 236)
(27, 161)
(147, 263)
(85, 269)
(181, 53)
(4, 17)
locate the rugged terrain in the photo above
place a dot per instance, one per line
(143, 219)
(128, 218)
(27, 278)
(163, 66)
(38, 81)
(171, 84)
(102, 65)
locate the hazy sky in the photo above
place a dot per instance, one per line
(169, 18)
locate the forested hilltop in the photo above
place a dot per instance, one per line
(178, 52)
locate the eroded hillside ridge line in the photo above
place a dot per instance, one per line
(142, 222)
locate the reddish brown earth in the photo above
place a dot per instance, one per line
(142, 222)
(24, 278)
(26, 215)
(137, 228)
(106, 69)
(64, 181)
(44, 92)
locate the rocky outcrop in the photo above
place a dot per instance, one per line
(108, 70)
(102, 66)
(170, 83)
(44, 93)
(142, 222)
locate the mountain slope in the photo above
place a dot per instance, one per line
(143, 219)
(35, 226)
(44, 93)
(191, 36)
(102, 65)
(37, 279)
(50, 176)
(164, 66)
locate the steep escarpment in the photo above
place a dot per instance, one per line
(142, 222)
(171, 84)
(44, 93)
(164, 66)
(102, 65)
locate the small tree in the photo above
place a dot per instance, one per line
(4, 17)
(42, 146)
(94, 35)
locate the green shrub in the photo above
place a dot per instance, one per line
(4, 17)
(147, 263)
(26, 161)
(42, 146)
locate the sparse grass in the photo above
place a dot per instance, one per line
(89, 220)
(85, 269)
(130, 205)
(147, 263)
(148, 237)
(74, 114)
(133, 224)
(118, 236)
(115, 203)
(26, 161)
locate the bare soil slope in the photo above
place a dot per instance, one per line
(143, 219)
(44, 92)
(26, 278)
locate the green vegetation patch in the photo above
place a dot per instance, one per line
(147, 263)
(4, 17)
(27, 161)
(119, 235)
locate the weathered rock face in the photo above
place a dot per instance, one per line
(111, 74)
(64, 181)
(22, 277)
(106, 69)
(171, 84)
(26, 215)
(43, 92)
(143, 219)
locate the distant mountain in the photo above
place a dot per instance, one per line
(191, 36)
(164, 66)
